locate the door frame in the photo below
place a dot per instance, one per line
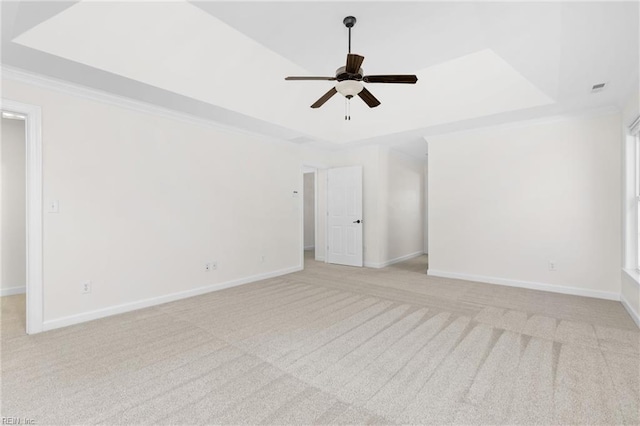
(33, 151)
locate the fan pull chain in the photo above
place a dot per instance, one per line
(347, 109)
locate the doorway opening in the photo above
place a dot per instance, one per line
(13, 227)
(32, 214)
(309, 208)
(426, 203)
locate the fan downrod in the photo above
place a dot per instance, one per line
(349, 22)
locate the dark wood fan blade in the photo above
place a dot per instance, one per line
(324, 98)
(353, 63)
(309, 78)
(368, 98)
(398, 78)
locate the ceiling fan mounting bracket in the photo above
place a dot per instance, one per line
(349, 21)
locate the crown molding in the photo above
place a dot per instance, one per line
(534, 121)
(96, 95)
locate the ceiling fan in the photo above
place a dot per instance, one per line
(351, 76)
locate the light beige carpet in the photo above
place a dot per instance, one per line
(333, 344)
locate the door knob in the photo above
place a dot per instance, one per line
(357, 221)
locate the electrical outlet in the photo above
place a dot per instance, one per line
(553, 266)
(211, 266)
(86, 287)
(207, 267)
(54, 206)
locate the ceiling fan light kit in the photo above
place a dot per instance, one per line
(349, 88)
(350, 78)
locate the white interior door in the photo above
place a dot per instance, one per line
(344, 216)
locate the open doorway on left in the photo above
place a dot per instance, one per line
(309, 213)
(13, 263)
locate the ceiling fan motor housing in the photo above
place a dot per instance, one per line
(342, 74)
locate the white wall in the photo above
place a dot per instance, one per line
(145, 201)
(309, 211)
(12, 228)
(504, 201)
(404, 207)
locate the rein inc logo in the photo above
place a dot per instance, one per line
(18, 421)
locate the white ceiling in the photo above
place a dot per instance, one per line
(477, 63)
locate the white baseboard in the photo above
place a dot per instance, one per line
(309, 247)
(10, 291)
(527, 284)
(132, 306)
(378, 265)
(320, 258)
(634, 315)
